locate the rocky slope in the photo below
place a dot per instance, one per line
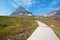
(21, 11)
(53, 14)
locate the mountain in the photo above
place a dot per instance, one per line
(53, 14)
(21, 11)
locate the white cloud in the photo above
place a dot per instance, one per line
(53, 3)
(25, 2)
(51, 8)
(13, 4)
(57, 8)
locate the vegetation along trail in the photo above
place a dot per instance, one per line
(43, 32)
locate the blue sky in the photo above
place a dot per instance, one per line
(37, 7)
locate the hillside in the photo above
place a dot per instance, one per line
(20, 28)
(53, 14)
(16, 28)
(21, 11)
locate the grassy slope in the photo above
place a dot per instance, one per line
(54, 22)
(18, 28)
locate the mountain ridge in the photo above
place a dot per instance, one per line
(21, 11)
(53, 14)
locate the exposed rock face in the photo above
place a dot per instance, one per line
(53, 14)
(21, 11)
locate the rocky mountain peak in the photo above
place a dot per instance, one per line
(21, 11)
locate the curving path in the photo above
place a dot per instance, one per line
(43, 32)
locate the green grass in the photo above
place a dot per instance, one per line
(23, 26)
(52, 21)
(20, 28)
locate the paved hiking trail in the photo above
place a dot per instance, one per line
(43, 32)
